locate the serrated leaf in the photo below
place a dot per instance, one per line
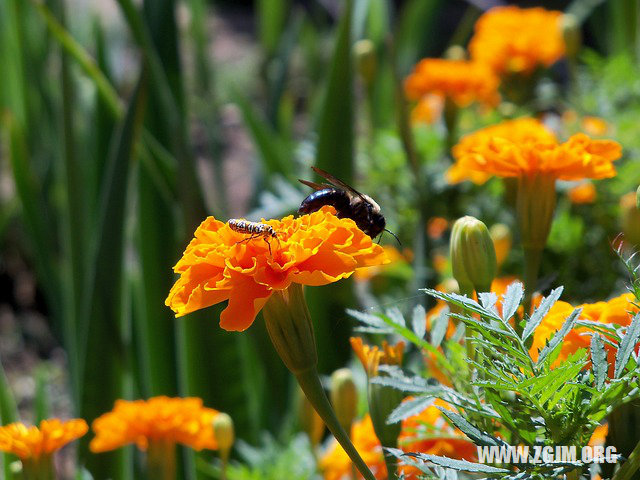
(410, 408)
(439, 329)
(460, 465)
(367, 318)
(488, 300)
(541, 312)
(396, 316)
(627, 345)
(599, 361)
(419, 321)
(476, 435)
(415, 384)
(511, 300)
(559, 336)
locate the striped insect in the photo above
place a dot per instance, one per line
(254, 229)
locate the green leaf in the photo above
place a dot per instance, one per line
(406, 384)
(476, 435)
(335, 147)
(439, 328)
(540, 312)
(410, 408)
(599, 361)
(512, 300)
(419, 321)
(627, 345)
(460, 465)
(559, 336)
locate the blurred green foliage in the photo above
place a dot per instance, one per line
(106, 134)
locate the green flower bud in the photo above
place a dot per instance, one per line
(344, 397)
(223, 431)
(572, 34)
(310, 421)
(382, 401)
(473, 257)
(630, 218)
(366, 60)
(455, 52)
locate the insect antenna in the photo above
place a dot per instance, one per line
(394, 236)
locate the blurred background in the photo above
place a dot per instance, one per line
(125, 123)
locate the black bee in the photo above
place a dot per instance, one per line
(348, 202)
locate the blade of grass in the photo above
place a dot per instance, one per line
(8, 414)
(334, 151)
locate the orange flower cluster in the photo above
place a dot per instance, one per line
(618, 311)
(159, 419)
(427, 432)
(524, 147)
(33, 442)
(221, 264)
(462, 81)
(372, 357)
(515, 40)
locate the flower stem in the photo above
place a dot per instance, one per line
(390, 463)
(630, 467)
(532, 260)
(161, 460)
(38, 469)
(312, 388)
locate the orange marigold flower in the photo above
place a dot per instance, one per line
(583, 193)
(372, 357)
(462, 81)
(515, 40)
(220, 264)
(599, 435)
(436, 226)
(428, 432)
(525, 148)
(159, 419)
(30, 442)
(394, 257)
(618, 310)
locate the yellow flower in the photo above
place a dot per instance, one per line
(583, 193)
(220, 264)
(618, 310)
(462, 81)
(524, 147)
(372, 357)
(30, 442)
(515, 40)
(157, 420)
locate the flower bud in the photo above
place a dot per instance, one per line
(366, 60)
(290, 328)
(223, 431)
(310, 421)
(382, 401)
(455, 52)
(502, 240)
(344, 397)
(473, 257)
(571, 33)
(630, 218)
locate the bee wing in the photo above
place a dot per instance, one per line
(315, 186)
(337, 182)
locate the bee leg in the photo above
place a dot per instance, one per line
(269, 245)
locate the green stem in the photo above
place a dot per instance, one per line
(392, 473)
(312, 388)
(630, 467)
(161, 460)
(532, 260)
